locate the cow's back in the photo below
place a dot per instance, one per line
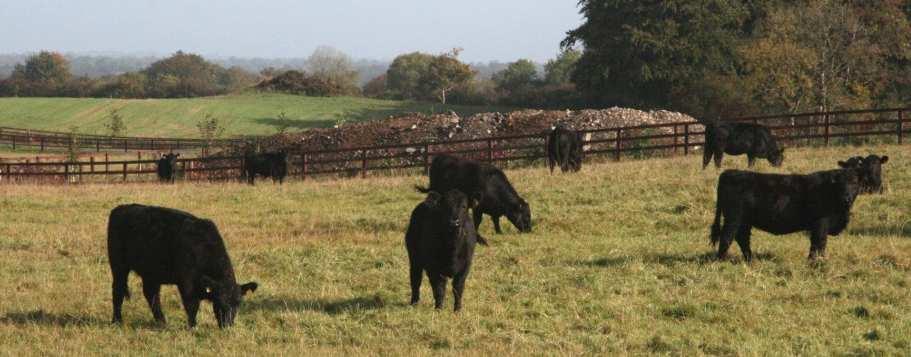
(146, 239)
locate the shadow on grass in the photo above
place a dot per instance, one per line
(41, 317)
(883, 231)
(705, 258)
(331, 307)
(296, 124)
(609, 262)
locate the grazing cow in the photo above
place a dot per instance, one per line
(564, 147)
(167, 167)
(167, 246)
(440, 240)
(738, 139)
(780, 204)
(272, 164)
(498, 197)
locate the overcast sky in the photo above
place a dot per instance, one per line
(502, 30)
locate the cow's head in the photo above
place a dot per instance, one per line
(226, 296)
(776, 157)
(870, 171)
(170, 158)
(451, 212)
(519, 213)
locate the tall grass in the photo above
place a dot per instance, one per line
(619, 263)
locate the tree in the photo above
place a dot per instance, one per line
(115, 124)
(518, 76)
(44, 74)
(446, 73)
(558, 71)
(405, 75)
(335, 67)
(640, 53)
(376, 87)
(182, 75)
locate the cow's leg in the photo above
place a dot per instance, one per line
(477, 215)
(152, 290)
(458, 286)
(818, 237)
(415, 283)
(743, 240)
(438, 282)
(728, 231)
(751, 160)
(119, 290)
(496, 224)
(718, 154)
(190, 302)
(706, 156)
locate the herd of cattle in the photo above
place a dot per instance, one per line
(167, 246)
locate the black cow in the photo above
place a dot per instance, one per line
(167, 167)
(738, 139)
(440, 240)
(498, 197)
(564, 147)
(780, 204)
(167, 246)
(271, 164)
(872, 167)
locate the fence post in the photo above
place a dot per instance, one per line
(66, 173)
(617, 152)
(426, 159)
(490, 151)
(106, 164)
(675, 139)
(303, 166)
(125, 148)
(97, 145)
(364, 164)
(139, 158)
(92, 164)
(14, 142)
(124, 172)
(42, 144)
(825, 120)
(686, 140)
(900, 126)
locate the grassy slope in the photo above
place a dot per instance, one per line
(617, 263)
(248, 114)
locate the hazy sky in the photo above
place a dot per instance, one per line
(502, 30)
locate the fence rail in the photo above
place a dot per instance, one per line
(46, 140)
(855, 126)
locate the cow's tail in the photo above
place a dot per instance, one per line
(716, 226)
(421, 189)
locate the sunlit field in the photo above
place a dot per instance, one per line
(619, 263)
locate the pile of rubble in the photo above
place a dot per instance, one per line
(413, 128)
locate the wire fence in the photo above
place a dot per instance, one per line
(824, 128)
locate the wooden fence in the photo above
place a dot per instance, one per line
(843, 127)
(43, 140)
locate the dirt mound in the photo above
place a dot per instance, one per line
(414, 128)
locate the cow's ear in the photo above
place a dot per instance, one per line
(843, 164)
(433, 198)
(883, 159)
(251, 287)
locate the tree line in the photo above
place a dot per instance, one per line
(708, 58)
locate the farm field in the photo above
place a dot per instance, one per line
(618, 263)
(242, 114)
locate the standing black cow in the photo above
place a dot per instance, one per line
(564, 147)
(270, 164)
(440, 240)
(780, 204)
(738, 139)
(167, 246)
(167, 167)
(498, 197)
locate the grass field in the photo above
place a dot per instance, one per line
(243, 114)
(618, 264)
